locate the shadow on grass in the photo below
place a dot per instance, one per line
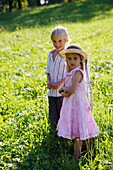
(66, 12)
(53, 153)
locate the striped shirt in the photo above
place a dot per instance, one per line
(56, 69)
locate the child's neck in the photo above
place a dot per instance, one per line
(55, 53)
(73, 68)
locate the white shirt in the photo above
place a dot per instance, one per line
(56, 69)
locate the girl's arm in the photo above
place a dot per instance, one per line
(62, 92)
(77, 78)
(65, 94)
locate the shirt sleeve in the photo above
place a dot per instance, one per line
(48, 65)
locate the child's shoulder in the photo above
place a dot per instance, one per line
(79, 70)
(74, 72)
(51, 52)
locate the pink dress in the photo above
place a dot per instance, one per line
(75, 117)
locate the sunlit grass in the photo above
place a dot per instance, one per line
(26, 141)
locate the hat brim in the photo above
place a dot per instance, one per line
(63, 53)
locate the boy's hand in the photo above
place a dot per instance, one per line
(49, 85)
(56, 85)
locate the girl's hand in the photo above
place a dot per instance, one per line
(61, 90)
(65, 94)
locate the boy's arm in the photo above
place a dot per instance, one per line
(49, 84)
(77, 78)
(58, 84)
(48, 78)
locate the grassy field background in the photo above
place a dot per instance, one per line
(26, 141)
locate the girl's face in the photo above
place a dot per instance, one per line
(59, 43)
(73, 60)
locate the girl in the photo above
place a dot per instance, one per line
(76, 120)
(55, 73)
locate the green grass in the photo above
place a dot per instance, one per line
(26, 141)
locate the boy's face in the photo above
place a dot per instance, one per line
(59, 43)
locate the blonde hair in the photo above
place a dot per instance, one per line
(60, 31)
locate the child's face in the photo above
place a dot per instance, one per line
(73, 60)
(59, 43)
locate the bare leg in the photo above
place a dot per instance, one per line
(77, 148)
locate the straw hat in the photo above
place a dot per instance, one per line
(73, 49)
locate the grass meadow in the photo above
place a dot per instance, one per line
(26, 140)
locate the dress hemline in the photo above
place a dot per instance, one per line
(89, 137)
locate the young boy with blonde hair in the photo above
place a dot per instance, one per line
(55, 71)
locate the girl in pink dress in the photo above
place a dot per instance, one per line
(76, 120)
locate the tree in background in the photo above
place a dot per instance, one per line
(46, 1)
(2, 4)
(19, 4)
(11, 2)
(32, 3)
(10, 5)
(55, 1)
(38, 3)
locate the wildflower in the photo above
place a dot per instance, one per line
(37, 159)
(108, 94)
(18, 159)
(51, 18)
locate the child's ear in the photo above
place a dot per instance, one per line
(66, 41)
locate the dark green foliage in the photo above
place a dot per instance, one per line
(55, 1)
